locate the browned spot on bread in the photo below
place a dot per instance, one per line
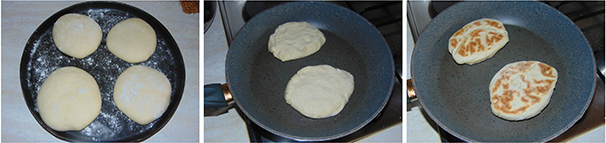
(522, 66)
(546, 70)
(503, 102)
(476, 33)
(459, 32)
(539, 90)
(493, 24)
(474, 45)
(493, 37)
(454, 42)
(463, 49)
(530, 100)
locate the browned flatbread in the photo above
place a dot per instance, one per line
(521, 90)
(477, 41)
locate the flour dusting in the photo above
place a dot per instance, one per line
(45, 57)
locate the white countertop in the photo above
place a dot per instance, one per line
(230, 127)
(20, 19)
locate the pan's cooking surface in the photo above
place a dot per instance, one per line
(470, 83)
(363, 52)
(271, 72)
(456, 96)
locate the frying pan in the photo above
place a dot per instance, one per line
(456, 96)
(41, 57)
(257, 80)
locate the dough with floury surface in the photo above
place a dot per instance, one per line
(295, 40)
(521, 90)
(319, 91)
(477, 41)
(142, 94)
(69, 99)
(77, 35)
(132, 40)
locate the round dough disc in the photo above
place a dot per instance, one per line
(521, 90)
(294, 40)
(477, 41)
(77, 35)
(132, 40)
(142, 93)
(319, 91)
(69, 99)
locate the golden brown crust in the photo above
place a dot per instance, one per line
(530, 87)
(477, 41)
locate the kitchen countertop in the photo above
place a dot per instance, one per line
(20, 19)
(230, 127)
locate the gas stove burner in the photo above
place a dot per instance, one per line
(589, 17)
(435, 7)
(252, 8)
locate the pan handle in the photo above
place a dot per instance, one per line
(411, 95)
(216, 99)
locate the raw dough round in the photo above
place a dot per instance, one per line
(319, 91)
(132, 40)
(69, 99)
(77, 35)
(294, 40)
(142, 93)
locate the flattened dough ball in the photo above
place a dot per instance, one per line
(522, 89)
(69, 99)
(294, 40)
(132, 40)
(477, 41)
(319, 91)
(77, 35)
(142, 93)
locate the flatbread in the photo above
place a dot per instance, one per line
(477, 41)
(521, 90)
(69, 99)
(142, 94)
(132, 40)
(295, 40)
(76, 35)
(319, 91)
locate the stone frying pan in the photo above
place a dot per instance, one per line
(257, 80)
(456, 96)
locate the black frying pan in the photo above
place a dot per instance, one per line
(41, 57)
(456, 96)
(257, 80)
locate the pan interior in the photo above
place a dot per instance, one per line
(457, 96)
(470, 86)
(258, 80)
(272, 75)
